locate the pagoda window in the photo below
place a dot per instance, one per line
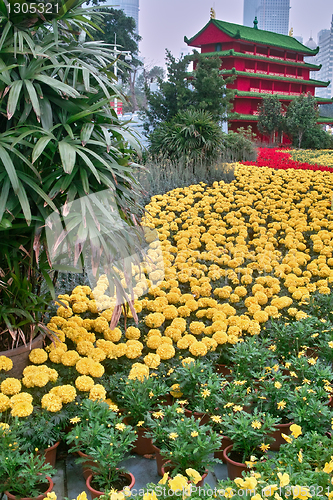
(276, 54)
(218, 47)
(262, 67)
(291, 56)
(247, 49)
(262, 51)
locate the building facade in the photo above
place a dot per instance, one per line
(131, 9)
(272, 15)
(262, 62)
(324, 58)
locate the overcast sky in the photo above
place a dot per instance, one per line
(164, 23)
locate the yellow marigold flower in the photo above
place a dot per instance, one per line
(216, 418)
(51, 402)
(21, 409)
(97, 393)
(256, 424)
(38, 356)
(6, 364)
(278, 385)
(328, 467)
(75, 420)
(120, 427)
(10, 386)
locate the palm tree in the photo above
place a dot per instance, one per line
(60, 141)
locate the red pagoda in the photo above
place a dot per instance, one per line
(262, 62)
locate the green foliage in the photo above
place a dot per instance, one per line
(59, 141)
(239, 146)
(93, 418)
(21, 473)
(316, 138)
(301, 115)
(290, 338)
(40, 430)
(270, 120)
(309, 409)
(137, 398)
(251, 357)
(183, 440)
(203, 89)
(190, 136)
(199, 384)
(248, 431)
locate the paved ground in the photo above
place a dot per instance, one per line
(69, 481)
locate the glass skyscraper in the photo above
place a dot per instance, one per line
(130, 7)
(273, 15)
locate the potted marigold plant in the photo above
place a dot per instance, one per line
(22, 474)
(137, 397)
(250, 435)
(182, 440)
(199, 386)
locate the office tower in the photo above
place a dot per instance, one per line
(325, 58)
(273, 15)
(130, 7)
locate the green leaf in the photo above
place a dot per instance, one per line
(40, 146)
(4, 196)
(10, 169)
(67, 155)
(86, 132)
(33, 97)
(57, 85)
(24, 202)
(14, 94)
(5, 33)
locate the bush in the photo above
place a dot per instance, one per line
(239, 146)
(190, 136)
(316, 138)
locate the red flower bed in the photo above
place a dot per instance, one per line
(274, 158)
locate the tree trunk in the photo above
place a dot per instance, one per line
(132, 90)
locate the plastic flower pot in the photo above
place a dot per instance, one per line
(277, 435)
(160, 460)
(203, 417)
(224, 444)
(96, 494)
(234, 468)
(143, 445)
(50, 454)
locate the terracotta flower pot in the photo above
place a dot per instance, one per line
(280, 429)
(86, 465)
(235, 469)
(40, 497)
(223, 370)
(20, 356)
(167, 467)
(203, 417)
(160, 460)
(50, 454)
(224, 444)
(143, 445)
(96, 494)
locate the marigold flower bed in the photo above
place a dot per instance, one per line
(284, 159)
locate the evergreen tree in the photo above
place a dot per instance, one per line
(270, 119)
(204, 89)
(302, 114)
